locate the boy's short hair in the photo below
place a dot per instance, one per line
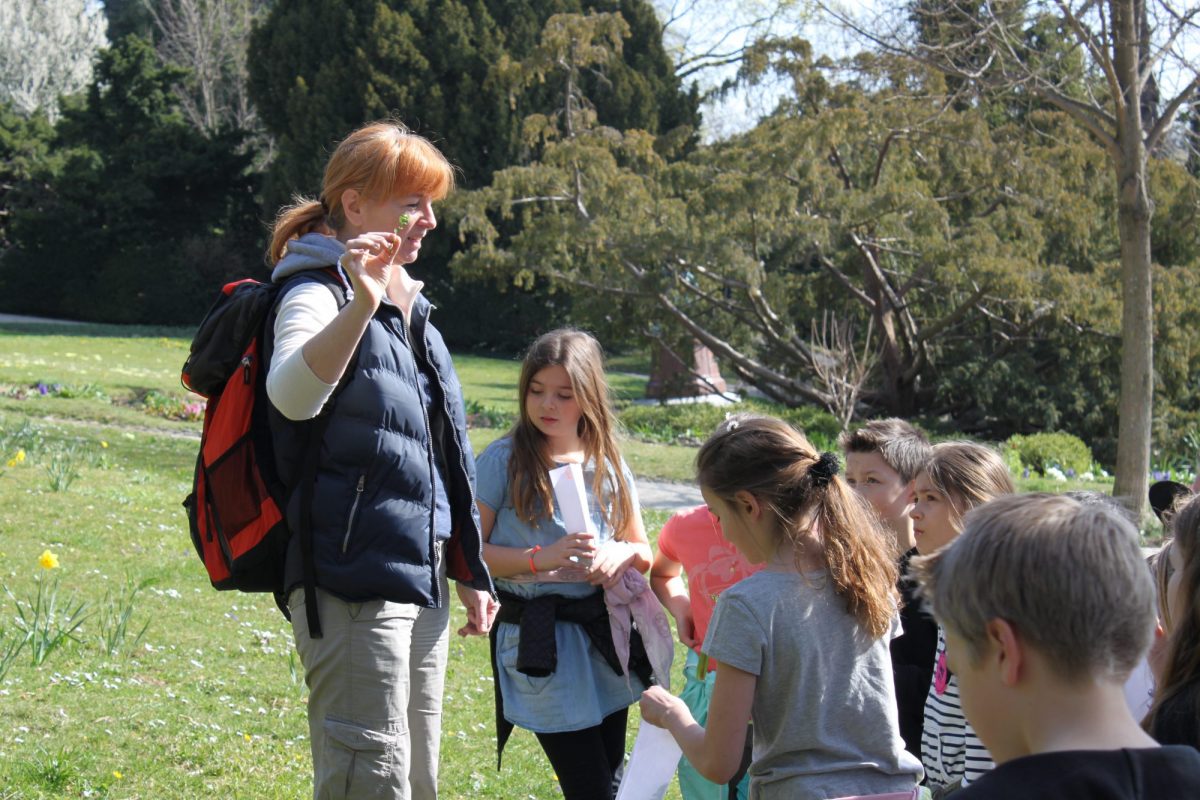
(1068, 576)
(901, 445)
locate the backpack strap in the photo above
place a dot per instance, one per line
(315, 434)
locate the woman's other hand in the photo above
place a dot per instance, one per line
(481, 610)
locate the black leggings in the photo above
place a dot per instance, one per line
(585, 761)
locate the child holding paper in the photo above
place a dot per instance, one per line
(691, 543)
(552, 650)
(803, 643)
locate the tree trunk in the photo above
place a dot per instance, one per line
(897, 395)
(1137, 338)
(1134, 210)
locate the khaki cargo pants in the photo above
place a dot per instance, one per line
(375, 685)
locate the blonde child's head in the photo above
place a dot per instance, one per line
(563, 394)
(1163, 568)
(1069, 577)
(754, 465)
(957, 477)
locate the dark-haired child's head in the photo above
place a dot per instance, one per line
(883, 457)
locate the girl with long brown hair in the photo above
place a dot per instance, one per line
(803, 643)
(551, 579)
(1174, 717)
(958, 477)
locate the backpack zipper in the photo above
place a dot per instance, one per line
(358, 493)
(247, 360)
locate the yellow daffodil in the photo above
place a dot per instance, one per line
(48, 560)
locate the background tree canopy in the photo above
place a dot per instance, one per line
(890, 239)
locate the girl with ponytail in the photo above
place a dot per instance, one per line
(803, 643)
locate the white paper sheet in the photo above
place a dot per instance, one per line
(652, 764)
(570, 495)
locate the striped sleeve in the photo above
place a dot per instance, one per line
(950, 750)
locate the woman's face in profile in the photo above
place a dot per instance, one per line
(408, 216)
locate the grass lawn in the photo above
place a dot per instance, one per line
(209, 701)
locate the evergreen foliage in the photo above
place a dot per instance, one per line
(981, 257)
(145, 215)
(318, 70)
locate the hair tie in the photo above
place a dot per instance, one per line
(824, 469)
(324, 207)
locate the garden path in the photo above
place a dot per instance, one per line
(667, 495)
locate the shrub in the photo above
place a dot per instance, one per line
(688, 423)
(691, 423)
(821, 428)
(1012, 457)
(481, 416)
(161, 404)
(1040, 451)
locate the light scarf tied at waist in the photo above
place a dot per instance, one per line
(630, 602)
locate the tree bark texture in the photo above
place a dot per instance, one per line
(1134, 210)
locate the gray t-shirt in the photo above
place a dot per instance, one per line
(824, 713)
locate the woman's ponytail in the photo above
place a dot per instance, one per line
(301, 217)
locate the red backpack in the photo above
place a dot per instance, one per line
(236, 507)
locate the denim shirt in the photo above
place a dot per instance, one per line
(584, 689)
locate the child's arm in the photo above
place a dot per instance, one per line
(505, 562)
(611, 560)
(715, 751)
(667, 582)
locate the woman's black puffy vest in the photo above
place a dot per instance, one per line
(373, 499)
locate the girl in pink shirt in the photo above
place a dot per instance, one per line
(691, 544)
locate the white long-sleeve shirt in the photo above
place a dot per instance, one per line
(292, 386)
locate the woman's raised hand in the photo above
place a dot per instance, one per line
(368, 263)
(572, 551)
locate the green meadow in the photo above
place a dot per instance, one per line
(148, 683)
(123, 674)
